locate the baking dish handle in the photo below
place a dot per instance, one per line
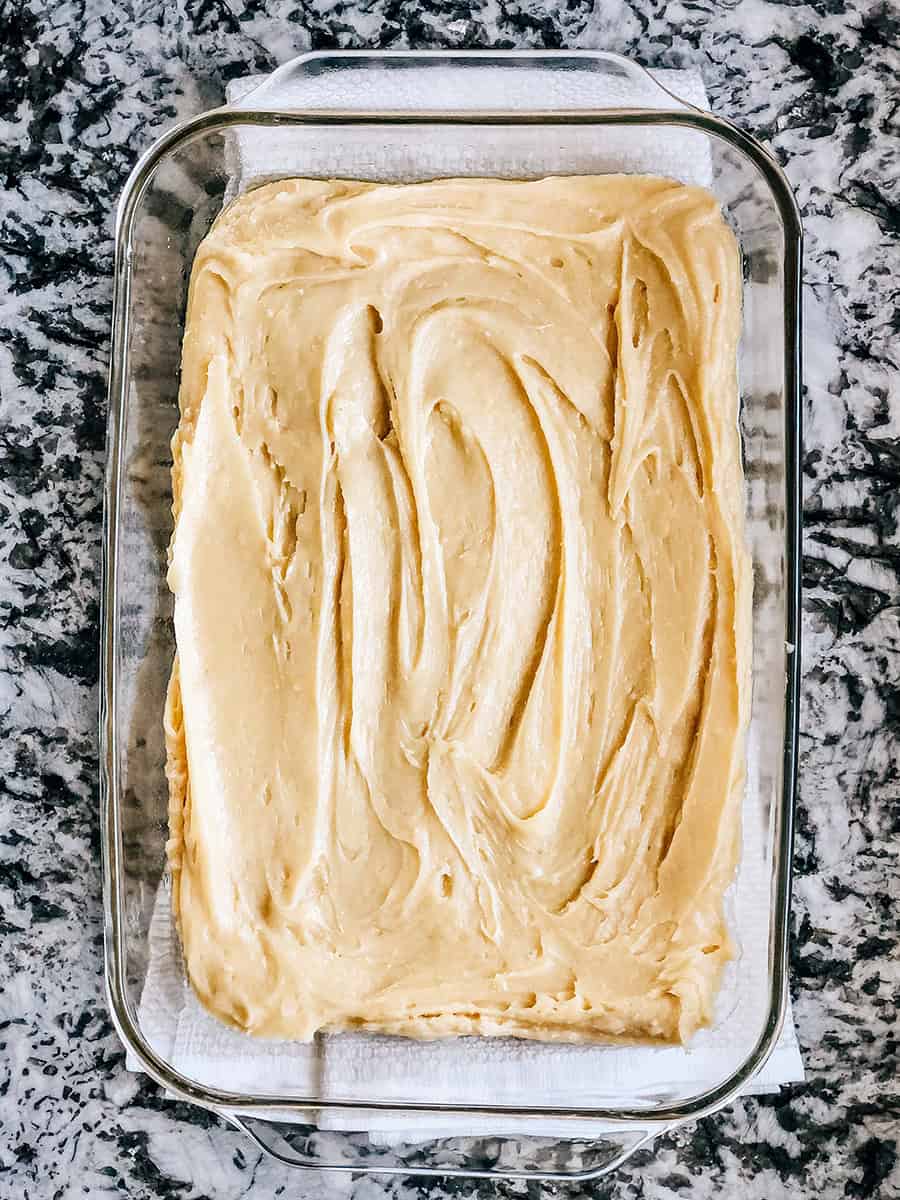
(509, 1156)
(436, 80)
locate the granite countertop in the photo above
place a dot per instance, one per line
(84, 87)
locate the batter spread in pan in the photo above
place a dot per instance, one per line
(462, 609)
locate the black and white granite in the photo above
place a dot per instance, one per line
(85, 86)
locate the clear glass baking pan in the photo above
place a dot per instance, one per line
(169, 202)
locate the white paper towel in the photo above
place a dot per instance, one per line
(471, 1070)
(404, 153)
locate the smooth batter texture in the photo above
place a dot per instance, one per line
(462, 608)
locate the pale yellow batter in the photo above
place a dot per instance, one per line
(462, 609)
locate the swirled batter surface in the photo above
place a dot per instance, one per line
(462, 609)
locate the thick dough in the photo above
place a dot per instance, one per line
(462, 609)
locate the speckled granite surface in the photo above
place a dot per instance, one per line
(83, 88)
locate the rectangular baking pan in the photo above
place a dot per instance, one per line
(169, 202)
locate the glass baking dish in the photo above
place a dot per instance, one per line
(169, 203)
